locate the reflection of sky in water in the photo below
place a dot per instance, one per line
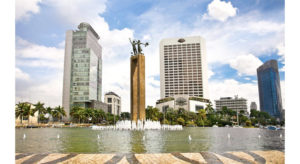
(85, 140)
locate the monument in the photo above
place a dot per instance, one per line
(137, 81)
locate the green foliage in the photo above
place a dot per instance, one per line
(23, 110)
(152, 113)
(248, 123)
(39, 107)
(165, 121)
(125, 115)
(180, 121)
(190, 123)
(165, 100)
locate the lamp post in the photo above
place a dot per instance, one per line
(114, 111)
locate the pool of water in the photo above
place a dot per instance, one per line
(86, 140)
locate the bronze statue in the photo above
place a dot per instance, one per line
(138, 43)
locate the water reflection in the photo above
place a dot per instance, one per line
(136, 141)
(85, 140)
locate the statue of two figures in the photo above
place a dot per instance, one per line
(137, 43)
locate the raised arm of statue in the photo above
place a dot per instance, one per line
(133, 43)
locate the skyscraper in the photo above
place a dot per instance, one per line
(82, 81)
(269, 88)
(183, 68)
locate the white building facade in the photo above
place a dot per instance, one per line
(235, 104)
(188, 103)
(183, 67)
(114, 103)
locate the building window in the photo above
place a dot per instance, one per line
(109, 108)
(199, 107)
(165, 108)
(109, 100)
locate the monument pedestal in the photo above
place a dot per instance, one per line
(137, 87)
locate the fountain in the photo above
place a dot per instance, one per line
(139, 125)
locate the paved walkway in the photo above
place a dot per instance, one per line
(247, 157)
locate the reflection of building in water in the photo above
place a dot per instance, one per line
(114, 103)
(188, 103)
(235, 104)
(137, 144)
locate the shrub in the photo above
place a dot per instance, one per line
(180, 121)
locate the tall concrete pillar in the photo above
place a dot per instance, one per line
(137, 87)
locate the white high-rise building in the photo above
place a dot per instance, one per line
(183, 67)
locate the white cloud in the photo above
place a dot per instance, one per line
(231, 87)
(48, 91)
(245, 64)
(210, 73)
(33, 55)
(280, 49)
(21, 75)
(282, 69)
(24, 8)
(220, 10)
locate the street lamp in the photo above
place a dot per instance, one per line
(114, 110)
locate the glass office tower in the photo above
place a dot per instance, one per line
(82, 68)
(269, 88)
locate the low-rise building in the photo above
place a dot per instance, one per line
(188, 103)
(235, 104)
(113, 102)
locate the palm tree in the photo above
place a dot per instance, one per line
(39, 107)
(89, 113)
(202, 116)
(209, 109)
(22, 109)
(58, 112)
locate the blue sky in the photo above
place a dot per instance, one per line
(240, 36)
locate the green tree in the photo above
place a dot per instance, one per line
(180, 121)
(152, 113)
(165, 121)
(39, 107)
(202, 116)
(248, 123)
(125, 115)
(209, 109)
(58, 112)
(22, 110)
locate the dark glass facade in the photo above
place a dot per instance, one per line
(269, 88)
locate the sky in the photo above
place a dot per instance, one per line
(240, 36)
